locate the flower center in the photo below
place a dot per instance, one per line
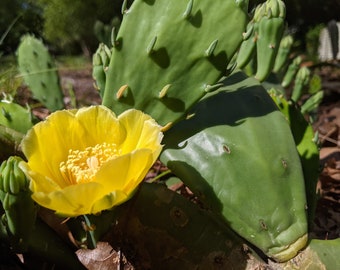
(82, 166)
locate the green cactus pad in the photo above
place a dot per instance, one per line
(16, 117)
(39, 72)
(318, 255)
(170, 232)
(168, 54)
(10, 142)
(307, 147)
(237, 153)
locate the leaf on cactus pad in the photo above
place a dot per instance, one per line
(168, 54)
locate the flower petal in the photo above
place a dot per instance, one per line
(125, 172)
(47, 144)
(71, 201)
(143, 131)
(66, 139)
(100, 124)
(108, 201)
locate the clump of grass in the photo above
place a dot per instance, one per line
(10, 80)
(73, 62)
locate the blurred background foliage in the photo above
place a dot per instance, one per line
(68, 27)
(305, 20)
(75, 27)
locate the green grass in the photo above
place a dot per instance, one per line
(10, 79)
(73, 62)
(9, 76)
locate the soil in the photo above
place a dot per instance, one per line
(326, 124)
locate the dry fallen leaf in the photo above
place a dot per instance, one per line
(103, 257)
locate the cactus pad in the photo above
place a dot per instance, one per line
(16, 117)
(39, 72)
(168, 54)
(237, 153)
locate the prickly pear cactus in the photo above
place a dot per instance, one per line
(169, 232)
(270, 31)
(237, 154)
(16, 117)
(283, 53)
(10, 142)
(312, 103)
(262, 38)
(291, 71)
(15, 120)
(15, 197)
(39, 72)
(100, 61)
(247, 50)
(301, 82)
(168, 54)
(318, 255)
(306, 143)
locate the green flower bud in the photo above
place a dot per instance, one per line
(12, 178)
(19, 209)
(101, 60)
(301, 81)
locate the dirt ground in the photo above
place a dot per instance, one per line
(327, 221)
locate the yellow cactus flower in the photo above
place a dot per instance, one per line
(88, 160)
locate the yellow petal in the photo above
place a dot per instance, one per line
(48, 143)
(109, 200)
(71, 201)
(102, 158)
(100, 124)
(39, 182)
(142, 130)
(125, 172)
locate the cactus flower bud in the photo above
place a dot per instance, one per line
(301, 81)
(270, 30)
(291, 71)
(283, 53)
(101, 60)
(12, 178)
(20, 210)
